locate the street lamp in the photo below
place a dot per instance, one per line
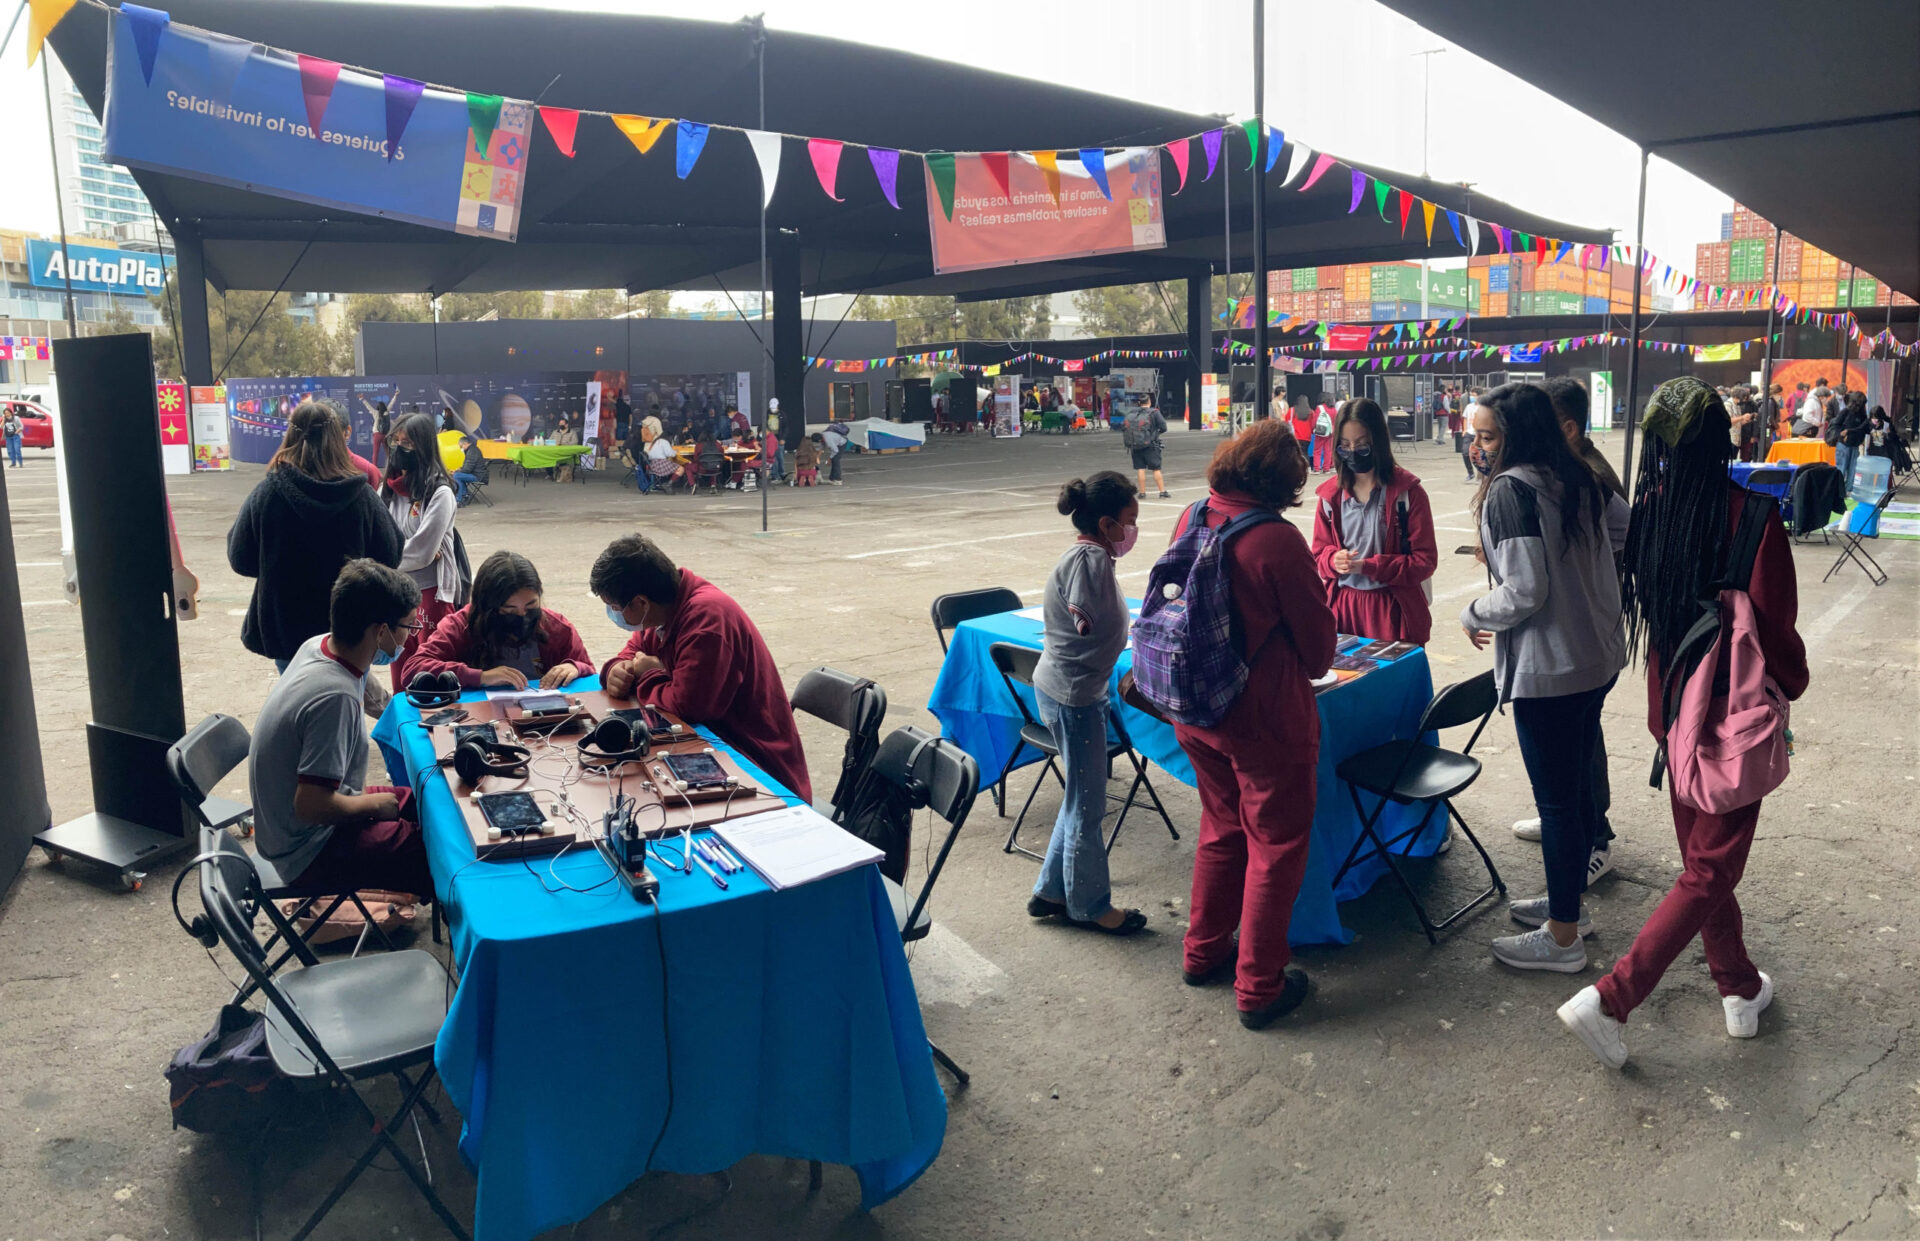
(1426, 127)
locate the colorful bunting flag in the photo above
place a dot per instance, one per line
(42, 17)
(1296, 163)
(996, 165)
(642, 131)
(1275, 140)
(1253, 141)
(1210, 141)
(1406, 209)
(1427, 209)
(940, 168)
(146, 25)
(226, 56)
(402, 96)
(317, 77)
(1180, 151)
(825, 154)
(1320, 167)
(562, 124)
(1094, 160)
(1049, 162)
(766, 153)
(1359, 190)
(886, 168)
(483, 111)
(691, 140)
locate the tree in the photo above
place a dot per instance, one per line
(1131, 309)
(654, 304)
(925, 320)
(465, 307)
(591, 304)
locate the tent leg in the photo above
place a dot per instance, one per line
(1633, 331)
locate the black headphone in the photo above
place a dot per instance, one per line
(476, 758)
(613, 742)
(433, 689)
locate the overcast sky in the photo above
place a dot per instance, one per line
(1342, 75)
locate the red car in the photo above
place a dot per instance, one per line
(36, 422)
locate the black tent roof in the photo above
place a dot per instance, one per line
(1807, 113)
(612, 218)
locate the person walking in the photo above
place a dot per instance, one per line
(421, 499)
(1686, 514)
(1141, 433)
(1255, 769)
(1849, 432)
(1553, 618)
(14, 429)
(1323, 438)
(1084, 615)
(1373, 534)
(298, 527)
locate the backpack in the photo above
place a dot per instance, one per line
(881, 809)
(1726, 744)
(226, 1082)
(1401, 523)
(1187, 659)
(1137, 430)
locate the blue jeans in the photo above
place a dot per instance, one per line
(13, 451)
(1075, 869)
(280, 666)
(1557, 738)
(461, 481)
(1844, 458)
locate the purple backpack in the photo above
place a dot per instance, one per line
(1187, 659)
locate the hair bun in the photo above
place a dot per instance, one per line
(1073, 497)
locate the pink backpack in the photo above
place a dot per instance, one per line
(1726, 718)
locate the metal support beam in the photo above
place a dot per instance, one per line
(1633, 331)
(789, 364)
(1764, 438)
(1262, 364)
(190, 278)
(1199, 338)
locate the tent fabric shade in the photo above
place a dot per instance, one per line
(609, 217)
(1819, 138)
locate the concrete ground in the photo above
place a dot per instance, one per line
(1422, 1091)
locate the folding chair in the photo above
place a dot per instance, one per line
(203, 758)
(851, 703)
(1862, 522)
(947, 776)
(1406, 771)
(1777, 482)
(707, 470)
(966, 605)
(341, 1022)
(1016, 663)
(477, 489)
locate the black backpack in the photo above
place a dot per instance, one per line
(226, 1082)
(881, 811)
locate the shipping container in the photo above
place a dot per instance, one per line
(1790, 289)
(1497, 279)
(1304, 278)
(1816, 293)
(1495, 305)
(1384, 312)
(1594, 305)
(1747, 261)
(1726, 225)
(1328, 277)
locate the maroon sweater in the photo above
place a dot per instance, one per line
(1288, 631)
(718, 672)
(1403, 565)
(451, 648)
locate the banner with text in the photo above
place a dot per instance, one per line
(1044, 214)
(272, 124)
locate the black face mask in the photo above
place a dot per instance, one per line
(1360, 461)
(519, 628)
(402, 458)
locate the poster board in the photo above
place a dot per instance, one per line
(1006, 406)
(176, 446)
(1043, 216)
(209, 428)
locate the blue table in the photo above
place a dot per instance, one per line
(971, 703)
(1742, 474)
(794, 1024)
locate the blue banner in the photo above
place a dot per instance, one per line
(1524, 353)
(248, 127)
(96, 269)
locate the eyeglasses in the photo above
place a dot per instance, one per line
(409, 628)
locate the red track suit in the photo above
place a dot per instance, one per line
(1256, 768)
(1713, 847)
(1398, 610)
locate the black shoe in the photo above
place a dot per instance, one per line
(1223, 972)
(1292, 991)
(1166, 495)
(1133, 922)
(1041, 907)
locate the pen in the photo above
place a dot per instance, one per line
(711, 872)
(729, 855)
(708, 852)
(726, 859)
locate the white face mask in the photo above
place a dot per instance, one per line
(613, 614)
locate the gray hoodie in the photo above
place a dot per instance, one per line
(1555, 609)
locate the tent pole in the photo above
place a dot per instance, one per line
(1262, 364)
(1841, 339)
(1633, 331)
(1765, 437)
(766, 348)
(59, 202)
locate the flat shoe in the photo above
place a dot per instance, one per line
(1293, 990)
(1133, 922)
(1226, 971)
(1041, 907)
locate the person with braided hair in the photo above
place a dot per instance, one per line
(1686, 511)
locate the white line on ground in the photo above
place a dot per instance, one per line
(947, 968)
(930, 547)
(41, 603)
(36, 564)
(1829, 620)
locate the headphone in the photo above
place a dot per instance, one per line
(433, 689)
(613, 742)
(475, 759)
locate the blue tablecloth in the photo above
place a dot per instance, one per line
(971, 703)
(794, 1024)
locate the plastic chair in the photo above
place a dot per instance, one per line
(1016, 663)
(854, 704)
(1410, 770)
(708, 469)
(966, 605)
(341, 1022)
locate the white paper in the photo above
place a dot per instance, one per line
(1031, 613)
(794, 845)
(520, 697)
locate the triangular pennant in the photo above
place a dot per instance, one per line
(1180, 151)
(1296, 163)
(1049, 162)
(1406, 209)
(226, 56)
(1275, 140)
(1253, 141)
(1380, 191)
(825, 153)
(43, 16)
(1453, 219)
(1359, 190)
(403, 94)
(1094, 160)
(317, 77)
(1506, 238)
(642, 131)
(766, 153)
(1473, 234)
(1320, 166)
(940, 169)
(1540, 247)
(996, 166)
(145, 25)
(688, 143)
(1426, 209)
(1210, 142)
(562, 124)
(886, 168)
(483, 113)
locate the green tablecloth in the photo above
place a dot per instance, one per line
(544, 456)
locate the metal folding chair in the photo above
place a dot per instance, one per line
(854, 704)
(966, 605)
(1405, 771)
(1016, 664)
(1862, 522)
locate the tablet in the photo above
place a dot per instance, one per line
(511, 812)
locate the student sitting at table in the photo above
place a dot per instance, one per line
(696, 654)
(504, 637)
(473, 469)
(314, 826)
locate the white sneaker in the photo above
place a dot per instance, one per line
(1527, 829)
(1536, 950)
(1534, 913)
(1604, 1037)
(1743, 1016)
(1599, 862)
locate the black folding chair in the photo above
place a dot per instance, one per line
(851, 703)
(1016, 663)
(199, 761)
(341, 1022)
(966, 605)
(1412, 771)
(1865, 518)
(947, 777)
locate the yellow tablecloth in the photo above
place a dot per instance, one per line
(1801, 452)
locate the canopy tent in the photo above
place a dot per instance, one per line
(1809, 114)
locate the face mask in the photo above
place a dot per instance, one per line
(1480, 463)
(1359, 460)
(382, 657)
(401, 457)
(520, 628)
(1129, 535)
(613, 614)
